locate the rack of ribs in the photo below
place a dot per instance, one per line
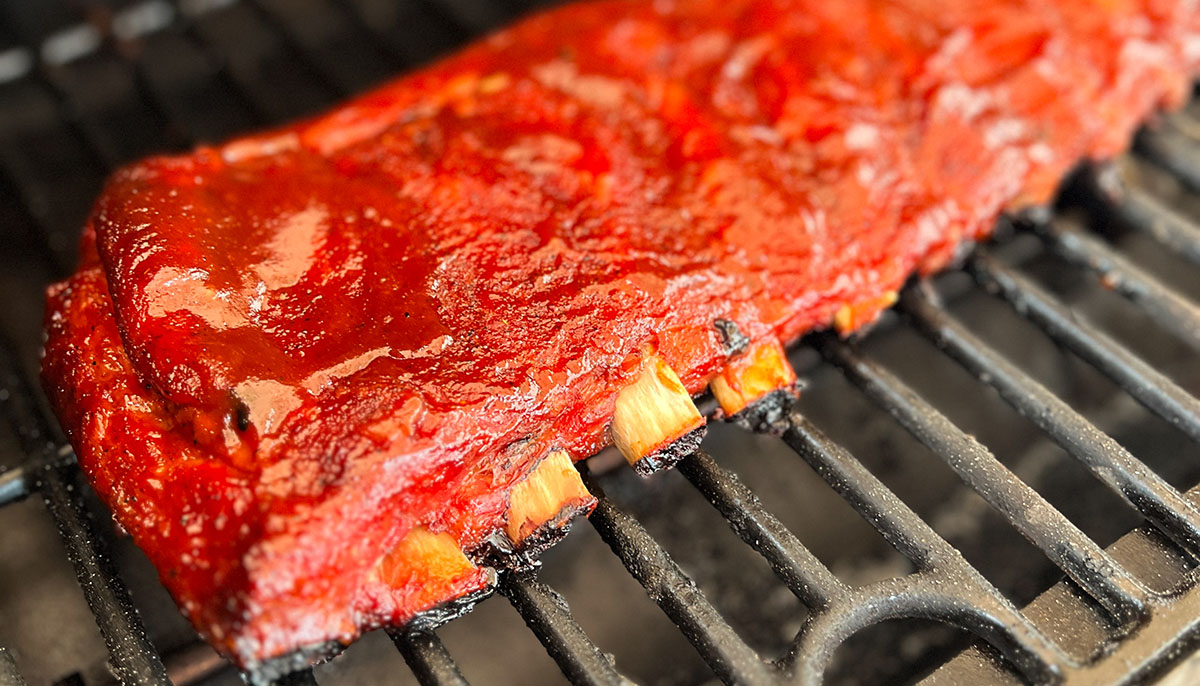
(330, 376)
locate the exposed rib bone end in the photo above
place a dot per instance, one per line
(851, 317)
(656, 423)
(435, 573)
(763, 370)
(542, 506)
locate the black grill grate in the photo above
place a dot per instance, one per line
(125, 40)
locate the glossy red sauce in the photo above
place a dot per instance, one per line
(281, 354)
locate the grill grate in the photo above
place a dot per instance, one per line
(1151, 626)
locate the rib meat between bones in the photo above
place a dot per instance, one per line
(312, 370)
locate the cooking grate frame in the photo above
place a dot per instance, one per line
(944, 586)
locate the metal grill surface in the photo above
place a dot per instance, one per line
(87, 85)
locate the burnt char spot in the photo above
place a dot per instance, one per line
(241, 415)
(498, 551)
(767, 414)
(272, 670)
(733, 341)
(430, 619)
(667, 457)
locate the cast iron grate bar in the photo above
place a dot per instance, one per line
(318, 74)
(675, 592)
(807, 577)
(1147, 492)
(19, 184)
(1044, 526)
(1172, 151)
(354, 14)
(242, 92)
(1152, 388)
(175, 134)
(1143, 211)
(133, 657)
(90, 137)
(1168, 308)
(193, 663)
(945, 587)
(87, 133)
(34, 220)
(428, 658)
(33, 223)
(547, 615)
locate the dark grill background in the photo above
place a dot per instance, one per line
(87, 85)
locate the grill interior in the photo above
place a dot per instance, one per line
(899, 548)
